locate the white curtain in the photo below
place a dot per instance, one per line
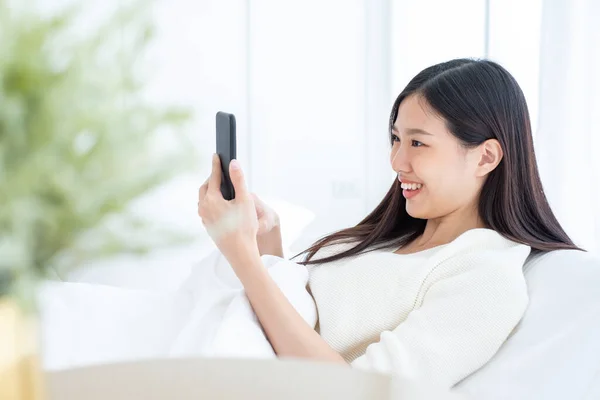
(568, 139)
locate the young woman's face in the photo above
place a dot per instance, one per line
(427, 156)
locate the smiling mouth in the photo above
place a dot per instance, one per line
(411, 186)
(410, 190)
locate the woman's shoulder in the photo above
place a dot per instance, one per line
(480, 252)
(484, 239)
(479, 261)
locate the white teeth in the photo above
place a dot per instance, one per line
(411, 186)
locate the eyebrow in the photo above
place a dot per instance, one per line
(412, 131)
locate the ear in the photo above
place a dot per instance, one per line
(490, 155)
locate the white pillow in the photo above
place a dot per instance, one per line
(554, 353)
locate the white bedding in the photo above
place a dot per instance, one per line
(209, 316)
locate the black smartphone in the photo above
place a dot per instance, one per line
(226, 140)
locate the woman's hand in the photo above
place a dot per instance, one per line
(267, 217)
(232, 225)
(269, 232)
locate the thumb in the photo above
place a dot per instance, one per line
(237, 179)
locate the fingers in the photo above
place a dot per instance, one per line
(256, 199)
(258, 204)
(214, 182)
(237, 179)
(263, 226)
(202, 191)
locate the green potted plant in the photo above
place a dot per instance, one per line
(79, 141)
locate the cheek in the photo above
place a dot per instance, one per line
(441, 170)
(448, 185)
(429, 168)
(453, 183)
(444, 178)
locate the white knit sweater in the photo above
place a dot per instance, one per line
(437, 315)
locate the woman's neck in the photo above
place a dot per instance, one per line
(439, 231)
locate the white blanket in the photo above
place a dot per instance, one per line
(209, 316)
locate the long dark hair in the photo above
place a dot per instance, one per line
(479, 100)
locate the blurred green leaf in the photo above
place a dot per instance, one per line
(78, 139)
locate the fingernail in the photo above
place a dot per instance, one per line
(235, 164)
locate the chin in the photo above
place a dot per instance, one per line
(416, 213)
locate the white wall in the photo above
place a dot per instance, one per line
(427, 32)
(307, 106)
(514, 41)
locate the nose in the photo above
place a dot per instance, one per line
(400, 160)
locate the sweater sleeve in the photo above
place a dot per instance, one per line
(462, 320)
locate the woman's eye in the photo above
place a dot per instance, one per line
(414, 143)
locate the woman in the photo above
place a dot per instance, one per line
(430, 284)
